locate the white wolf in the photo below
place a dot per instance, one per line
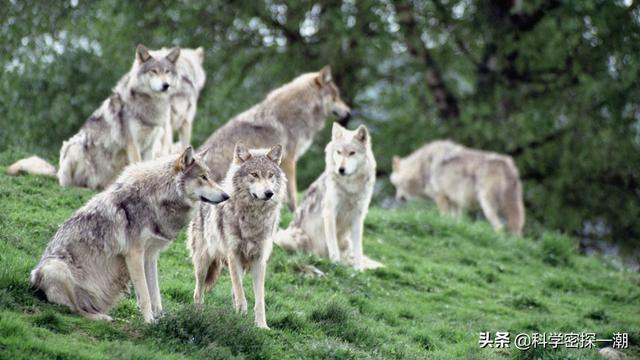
(128, 127)
(330, 219)
(459, 178)
(118, 236)
(239, 232)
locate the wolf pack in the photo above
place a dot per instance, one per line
(136, 149)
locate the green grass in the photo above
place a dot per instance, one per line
(444, 283)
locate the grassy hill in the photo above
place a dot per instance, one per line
(444, 283)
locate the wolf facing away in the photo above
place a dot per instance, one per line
(118, 235)
(239, 232)
(460, 178)
(184, 98)
(330, 219)
(290, 115)
(126, 128)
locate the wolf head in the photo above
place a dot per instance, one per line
(256, 174)
(156, 74)
(194, 179)
(348, 151)
(331, 101)
(399, 180)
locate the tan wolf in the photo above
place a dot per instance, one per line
(330, 219)
(290, 115)
(127, 127)
(184, 98)
(239, 232)
(459, 178)
(118, 236)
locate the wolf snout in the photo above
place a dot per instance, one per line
(342, 117)
(268, 194)
(165, 86)
(215, 200)
(342, 170)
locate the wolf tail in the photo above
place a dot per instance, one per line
(32, 165)
(514, 207)
(292, 239)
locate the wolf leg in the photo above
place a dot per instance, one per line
(258, 271)
(490, 212)
(133, 152)
(356, 242)
(289, 168)
(330, 236)
(236, 272)
(151, 273)
(185, 133)
(135, 266)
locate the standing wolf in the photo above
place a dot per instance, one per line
(239, 232)
(118, 235)
(459, 178)
(290, 115)
(330, 219)
(184, 98)
(126, 128)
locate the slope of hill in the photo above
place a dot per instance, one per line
(444, 283)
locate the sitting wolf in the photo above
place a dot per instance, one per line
(239, 232)
(330, 219)
(118, 235)
(128, 127)
(459, 178)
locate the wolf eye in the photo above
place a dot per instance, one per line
(351, 153)
(338, 152)
(204, 177)
(254, 174)
(271, 175)
(154, 71)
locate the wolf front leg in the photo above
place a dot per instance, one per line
(258, 271)
(133, 152)
(151, 273)
(329, 219)
(289, 168)
(135, 265)
(356, 242)
(236, 272)
(185, 134)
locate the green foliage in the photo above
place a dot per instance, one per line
(552, 83)
(444, 282)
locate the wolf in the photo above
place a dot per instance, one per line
(184, 98)
(460, 178)
(118, 235)
(290, 115)
(126, 128)
(330, 218)
(239, 232)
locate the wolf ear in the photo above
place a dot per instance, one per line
(241, 153)
(275, 154)
(362, 134)
(200, 53)
(186, 159)
(142, 54)
(173, 55)
(395, 164)
(336, 131)
(324, 76)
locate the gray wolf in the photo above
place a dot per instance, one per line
(118, 235)
(290, 115)
(184, 98)
(128, 127)
(330, 218)
(459, 178)
(239, 232)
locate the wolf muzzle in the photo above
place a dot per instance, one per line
(224, 197)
